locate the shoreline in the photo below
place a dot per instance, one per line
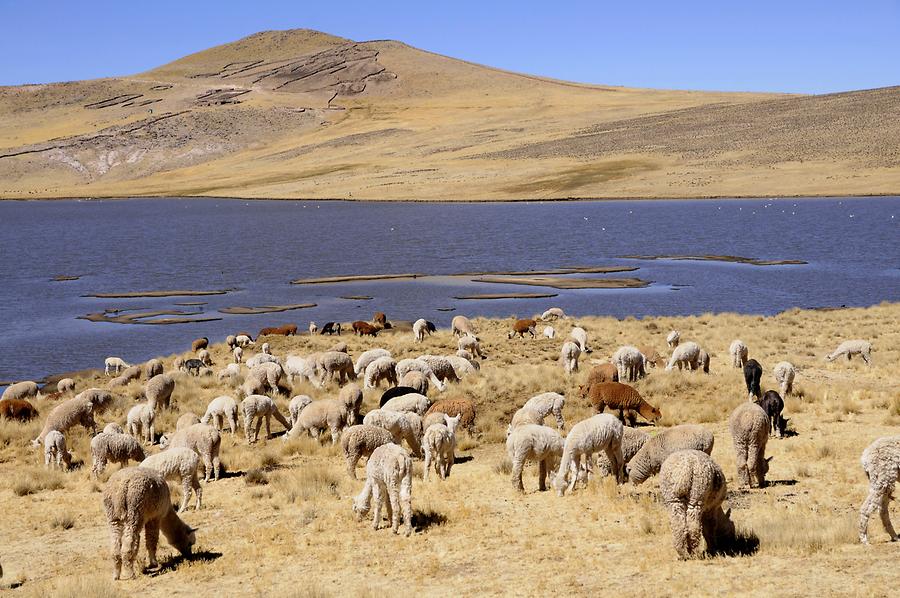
(779, 197)
(403, 326)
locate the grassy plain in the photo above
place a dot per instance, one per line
(280, 522)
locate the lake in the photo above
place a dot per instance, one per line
(255, 248)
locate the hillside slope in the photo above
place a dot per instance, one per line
(304, 114)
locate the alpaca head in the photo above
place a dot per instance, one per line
(452, 422)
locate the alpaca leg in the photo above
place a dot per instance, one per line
(195, 484)
(335, 434)
(616, 463)
(131, 539)
(427, 464)
(517, 463)
(694, 532)
(754, 465)
(406, 502)
(678, 524)
(394, 497)
(216, 466)
(741, 458)
(352, 459)
(575, 468)
(588, 467)
(870, 505)
(886, 514)
(115, 533)
(256, 429)
(377, 499)
(185, 493)
(386, 500)
(208, 467)
(449, 462)
(151, 537)
(542, 474)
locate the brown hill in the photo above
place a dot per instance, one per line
(304, 114)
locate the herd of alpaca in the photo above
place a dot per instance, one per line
(691, 485)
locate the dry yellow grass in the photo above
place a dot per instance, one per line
(427, 128)
(287, 527)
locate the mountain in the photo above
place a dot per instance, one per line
(303, 114)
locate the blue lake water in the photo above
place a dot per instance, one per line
(258, 247)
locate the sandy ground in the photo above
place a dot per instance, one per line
(294, 533)
(300, 114)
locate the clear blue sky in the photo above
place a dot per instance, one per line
(792, 46)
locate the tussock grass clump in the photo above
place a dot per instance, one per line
(804, 531)
(503, 467)
(76, 587)
(63, 521)
(310, 482)
(256, 477)
(267, 459)
(32, 481)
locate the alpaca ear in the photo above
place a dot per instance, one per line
(769, 459)
(728, 514)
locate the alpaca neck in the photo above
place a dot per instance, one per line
(175, 530)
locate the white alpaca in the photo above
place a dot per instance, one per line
(297, 405)
(55, 452)
(547, 403)
(784, 372)
(439, 446)
(851, 348)
(420, 327)
(535, 443)
(686, 356)
(115, 364)
(359, 368)
(739, 353)
(138, 499)
(629, 362)
(388, 482)
(579, 335)
(180, 464)
(569, 355)
(881, 462)
(602, 432)
(220, 410)
(673, 338)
